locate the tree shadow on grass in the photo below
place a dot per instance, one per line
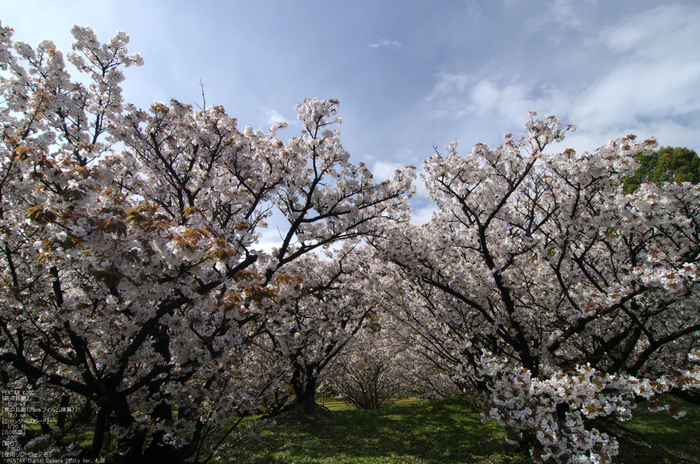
(448, 431)
(658, 438)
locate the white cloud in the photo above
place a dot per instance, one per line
(568, 15)
(270, 118)
(651, 87)
(386, 43)
(420, 216)
(448, 83)
(654, 86)
(274, 116)
(383, 170)
(492, 99)
(639, 90)
(656, 32)
(488, 97)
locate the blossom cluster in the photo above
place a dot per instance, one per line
(557, 409)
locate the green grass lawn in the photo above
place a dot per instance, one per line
(653, 438)
(437, 432)
(445, 431)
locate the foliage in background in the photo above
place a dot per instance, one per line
(667, 164)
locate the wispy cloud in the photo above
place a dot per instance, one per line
(274, 116)
(562, 16)
(422, 215)
(383, 170)
(649, 90)
(386, 43)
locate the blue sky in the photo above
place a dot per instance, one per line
(409, 74)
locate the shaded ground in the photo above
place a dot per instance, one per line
(426, 432)
(437, 432)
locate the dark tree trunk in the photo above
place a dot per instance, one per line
(304, 384)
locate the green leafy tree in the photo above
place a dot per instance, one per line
(668, 164)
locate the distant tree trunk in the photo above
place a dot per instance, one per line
(304, 383)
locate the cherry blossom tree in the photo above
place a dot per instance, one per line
(433, 336)
(133, 285)
(546, 287)
(377, 366)
(326, 306)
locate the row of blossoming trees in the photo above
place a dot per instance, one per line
(135, 298)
